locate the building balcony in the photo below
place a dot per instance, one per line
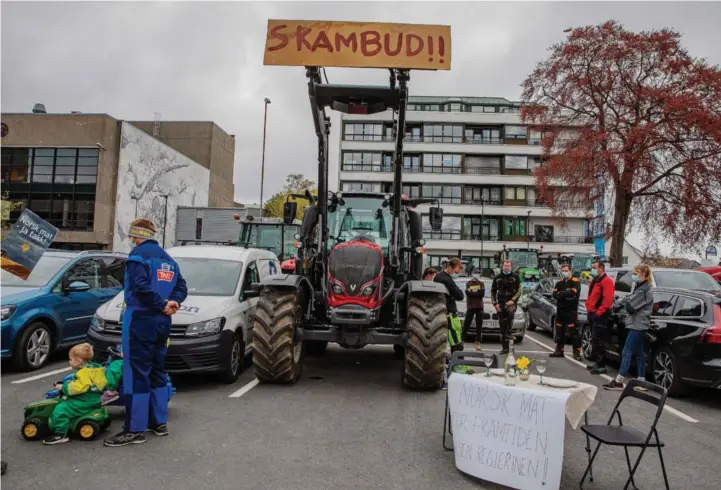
(461, 145)
(458, 235)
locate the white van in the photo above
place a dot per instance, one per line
(212, 331)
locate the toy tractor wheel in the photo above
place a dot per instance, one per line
(34, 429)
(277, 351)
(88, 430)
(427, 326)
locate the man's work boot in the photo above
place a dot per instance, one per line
(556, 353)
(577, 354)
(598, 370)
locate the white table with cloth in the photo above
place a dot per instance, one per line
(514, 435)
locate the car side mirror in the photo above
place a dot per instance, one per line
(289, 210)
(435, 217)
(253, 291)
(78, 287)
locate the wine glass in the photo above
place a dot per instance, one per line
(541, 368)
(486, 362)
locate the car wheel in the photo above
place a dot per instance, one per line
(664, 371)
(586, 343)
(530, 326)
(236, 360)
(33, 347)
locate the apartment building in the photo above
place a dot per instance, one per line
(475, 156)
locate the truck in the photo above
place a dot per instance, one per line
(359, 260)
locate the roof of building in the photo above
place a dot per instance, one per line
(424, 99)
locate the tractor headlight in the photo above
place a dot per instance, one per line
(201, 329)
(7, 311)
(97, 324)
(337, 289)
(368, 290)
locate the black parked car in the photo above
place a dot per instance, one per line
(683, 345)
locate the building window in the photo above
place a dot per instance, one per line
(478, 228)
(441, 163)
(411, 163)
(363, 132)
(446, 194)
(411, 190)
(57, 184)
(516, 162)
(456, 107)
(514, 227)
(543, 233)
(624, 260)
(515, 193)
(477, 194)
(451, 228)
(442, 133)
(516, 132)
(413, 133)
(362, 187)
(482, 165)
(483, 136)
(362, 161)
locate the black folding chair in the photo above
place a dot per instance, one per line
(471, 358)
(626, 436)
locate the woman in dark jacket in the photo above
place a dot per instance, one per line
(639, 305)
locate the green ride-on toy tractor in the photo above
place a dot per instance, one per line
(37, 417)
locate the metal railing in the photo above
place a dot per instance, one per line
(475, 140)
(457, 235)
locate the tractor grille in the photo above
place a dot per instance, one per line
(355, 265)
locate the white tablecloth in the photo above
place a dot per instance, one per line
(579, 400)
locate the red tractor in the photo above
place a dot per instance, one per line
(359, 263)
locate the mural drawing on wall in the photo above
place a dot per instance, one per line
(149, 173)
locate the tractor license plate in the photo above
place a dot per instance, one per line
(491, 324)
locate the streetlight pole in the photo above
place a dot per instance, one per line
(165, 217)
(262, 162)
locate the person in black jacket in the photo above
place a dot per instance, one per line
(475, 291)
(505, 292)
(567, 292)
(445, 277)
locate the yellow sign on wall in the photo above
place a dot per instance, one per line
(358, 45)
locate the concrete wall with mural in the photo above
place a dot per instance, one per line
(147, 171)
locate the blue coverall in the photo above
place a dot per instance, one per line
(152, 279)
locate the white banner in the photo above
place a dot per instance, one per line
(507, 435)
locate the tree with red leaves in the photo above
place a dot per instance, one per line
(638, 113)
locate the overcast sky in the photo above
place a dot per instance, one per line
(204, 61)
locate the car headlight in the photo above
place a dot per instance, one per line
(7, 311)
(97, 324)
(368, 290)
(201, 329)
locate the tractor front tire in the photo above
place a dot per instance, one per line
(425, 353)
(277, 352)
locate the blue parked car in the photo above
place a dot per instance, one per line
(53, 308)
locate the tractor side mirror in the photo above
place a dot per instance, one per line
(497, 257)
(435, 217)
(289, 210)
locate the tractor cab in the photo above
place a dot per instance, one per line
(270, 234)
(525, 262)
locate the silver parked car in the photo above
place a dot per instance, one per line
(490, 317)
(542, 306)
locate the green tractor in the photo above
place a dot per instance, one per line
(524, 260)
(37, 421)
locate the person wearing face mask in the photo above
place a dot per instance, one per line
(153, 290)
(475, 291)
(639, 305)
(505, 291)
(567, 292)
(601, 293)
(445, 277)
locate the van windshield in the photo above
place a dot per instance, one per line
(209, 277)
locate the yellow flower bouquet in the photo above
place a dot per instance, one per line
(522, 365)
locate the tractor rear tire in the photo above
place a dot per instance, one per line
(425, 353)
(277, 352)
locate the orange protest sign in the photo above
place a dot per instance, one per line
(358, 45)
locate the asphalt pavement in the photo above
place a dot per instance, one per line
(346, 424)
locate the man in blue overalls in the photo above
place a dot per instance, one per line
(154, 289)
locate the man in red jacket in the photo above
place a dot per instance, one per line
(601, 293)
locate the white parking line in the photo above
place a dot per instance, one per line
(40, 376)
(245, 389)
(670, 409)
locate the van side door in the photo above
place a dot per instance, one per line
(247, 310)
